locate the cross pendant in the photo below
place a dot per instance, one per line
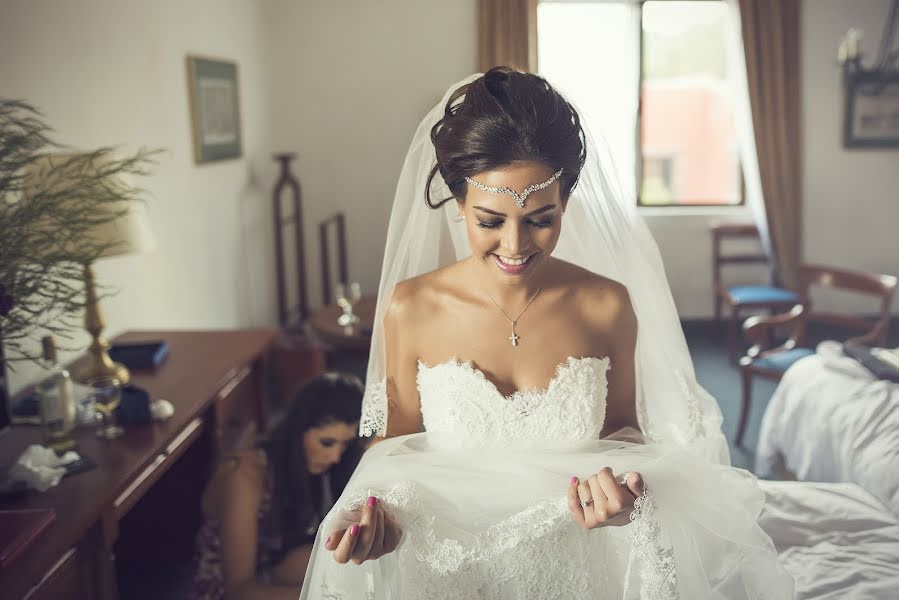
(514, 337)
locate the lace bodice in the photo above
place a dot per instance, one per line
(458, 399)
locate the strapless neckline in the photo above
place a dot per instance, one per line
(561, 371)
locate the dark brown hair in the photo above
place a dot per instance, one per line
(329, 398)
(502, 118)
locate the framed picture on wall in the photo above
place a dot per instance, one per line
(872, 110)
(214, 109)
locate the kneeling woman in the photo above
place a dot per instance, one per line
(263, 506)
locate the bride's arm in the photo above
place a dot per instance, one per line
(403, 406)
(621, 411)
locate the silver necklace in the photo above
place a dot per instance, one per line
(514, 337)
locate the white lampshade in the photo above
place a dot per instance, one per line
(128, 233)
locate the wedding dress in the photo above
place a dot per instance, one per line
(481, 494)
(481, 501)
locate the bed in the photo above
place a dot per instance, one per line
(830, 420)
(836, 540)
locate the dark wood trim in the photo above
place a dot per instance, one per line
(289, 315)
(89, 506)
(338, 222)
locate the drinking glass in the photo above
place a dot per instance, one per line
(106, 394)
(346, 302)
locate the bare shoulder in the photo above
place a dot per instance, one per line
(419, 295)
(240, 475)
(244, 473)
(597, 299)
(590, 287)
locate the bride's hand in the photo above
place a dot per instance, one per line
(376, 534)
(602, 501)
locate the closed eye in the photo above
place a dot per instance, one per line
(541, 224)
(489, 224)
(498, 223)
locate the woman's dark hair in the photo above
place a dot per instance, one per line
(506, 117)
(329, 398)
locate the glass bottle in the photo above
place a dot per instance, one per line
(57, 401)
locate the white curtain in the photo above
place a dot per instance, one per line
(736, 62)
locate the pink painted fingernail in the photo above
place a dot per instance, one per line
(372, 501)
(328, 541)
(574, 481)
(354, 530)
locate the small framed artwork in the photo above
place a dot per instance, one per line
(872, 110)
(214, 109)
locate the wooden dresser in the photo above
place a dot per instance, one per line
(142, 499)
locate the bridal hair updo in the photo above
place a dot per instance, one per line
(502, 118)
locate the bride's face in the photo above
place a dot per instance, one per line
(512, 241)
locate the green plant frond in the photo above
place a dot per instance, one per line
(51, 199)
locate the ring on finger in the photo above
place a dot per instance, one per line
(622, 479)
(584, 495)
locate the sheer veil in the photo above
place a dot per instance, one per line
(601, 232)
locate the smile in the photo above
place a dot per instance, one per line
(512, 265)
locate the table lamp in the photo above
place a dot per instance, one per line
(122, 228)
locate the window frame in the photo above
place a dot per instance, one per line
(638, 143)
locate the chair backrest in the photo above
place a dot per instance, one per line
(869, 284)
(722, 232)
(337, 222)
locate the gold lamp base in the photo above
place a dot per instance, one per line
(98, 364)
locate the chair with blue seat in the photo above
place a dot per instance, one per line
(773, 363)
(743, 298)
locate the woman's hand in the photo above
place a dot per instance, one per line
(376, 534)
(602, 500)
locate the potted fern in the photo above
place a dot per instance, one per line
(45, 212)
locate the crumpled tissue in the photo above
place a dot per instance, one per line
(41, 468)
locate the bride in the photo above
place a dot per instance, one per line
(546, 437)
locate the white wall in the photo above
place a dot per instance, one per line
(113, 73)
(353, 79)
(851, 208)
(851, 212)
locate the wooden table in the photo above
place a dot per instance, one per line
(216, 382)
(356, 338)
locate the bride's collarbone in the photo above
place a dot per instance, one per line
(486, 337)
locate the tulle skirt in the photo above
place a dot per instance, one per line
(494, 523)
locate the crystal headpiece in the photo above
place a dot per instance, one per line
(519, 198)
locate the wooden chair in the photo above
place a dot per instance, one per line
(337, 222)
(773, 363)
(742, 297)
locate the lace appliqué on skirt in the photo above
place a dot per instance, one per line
(653, 559)
(505, 553)
(374, 410)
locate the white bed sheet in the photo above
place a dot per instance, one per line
(835, 539)
(830, 420)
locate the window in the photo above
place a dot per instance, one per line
(652, 77)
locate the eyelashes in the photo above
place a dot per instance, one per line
(498, 223)
(489, 224)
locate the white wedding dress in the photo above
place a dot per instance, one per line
(481, 499)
